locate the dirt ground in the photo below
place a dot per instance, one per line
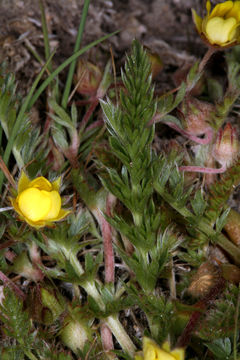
(165, 26)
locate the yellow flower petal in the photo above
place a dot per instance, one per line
(62, 214)
(41, 183)
(151, 351)
(208, 6)
(161, 354)
(56, 184)
(221, 10)
(138, 357)
(178, 354)
(197, 21)
(55, 205)
(34, 204)
(166, 346)
(16, 207)
(23, 182)
(235, 11)
(35, 224)
(220, 31)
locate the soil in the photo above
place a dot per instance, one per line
(164, 26)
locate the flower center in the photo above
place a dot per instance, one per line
(219, 30)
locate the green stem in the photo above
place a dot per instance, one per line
(30, 355)
(137, 218)
(76, 48)
(89, 286)
(34, 52)
(154, 328)
(91, 289)
(120, 334)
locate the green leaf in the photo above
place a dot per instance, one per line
(171, 119)
(60, 138)
(222, 220)
(193, 76)
(221, 348)
(167, 103)
(198, 203)
(17, 322)
(63, 118)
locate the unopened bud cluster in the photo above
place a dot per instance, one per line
(226, 148)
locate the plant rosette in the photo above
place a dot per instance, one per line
(220, 27)
(38, 202)
(152, 351)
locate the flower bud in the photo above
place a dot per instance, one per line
(88, 77)
(226, 148)
(232, 227)
(219, 28)
(74, 334)
(204, 280)
(156, 64)
(196, 113)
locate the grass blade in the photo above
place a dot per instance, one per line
(76, 48)
(64, 64)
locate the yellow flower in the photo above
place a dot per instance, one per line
(38, 201)
(151, 351)
(220, 27)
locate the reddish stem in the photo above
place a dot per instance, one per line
(204, 141)
(11, 285)
(106, 336)
(81, 102)
(203, 169)
(94, 125)
(88, 114)
(206, 58)
(7, 173)
(10, 255)
(72, 152)
(36, 261)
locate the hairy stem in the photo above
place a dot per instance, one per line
(201, 169)
(206, 140)
(206, 58)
